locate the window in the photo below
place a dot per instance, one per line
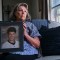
(54, 10)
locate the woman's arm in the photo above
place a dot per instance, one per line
(33, 41)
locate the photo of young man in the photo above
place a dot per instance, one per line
(11, 42)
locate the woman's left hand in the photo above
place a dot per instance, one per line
(25, 28)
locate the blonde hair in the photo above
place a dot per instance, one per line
(12, 14)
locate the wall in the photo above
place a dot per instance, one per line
(0, 10)
(35, 6)
(35, 9)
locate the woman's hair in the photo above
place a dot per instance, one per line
(12, 14)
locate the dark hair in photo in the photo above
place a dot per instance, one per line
(11, 29)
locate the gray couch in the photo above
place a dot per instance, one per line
(40, 22)
(50, 44)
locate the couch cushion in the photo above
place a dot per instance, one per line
(39, 22)
(50, 42)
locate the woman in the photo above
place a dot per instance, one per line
(31, 34)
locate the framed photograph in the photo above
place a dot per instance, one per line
(11, 36)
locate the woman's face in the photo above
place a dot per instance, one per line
(21, 13)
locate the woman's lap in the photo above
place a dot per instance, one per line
(19, 57)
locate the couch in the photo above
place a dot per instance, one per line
(50, 41)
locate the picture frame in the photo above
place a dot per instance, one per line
(6, 36)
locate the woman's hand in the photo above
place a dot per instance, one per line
(33, 41)
(25, 28)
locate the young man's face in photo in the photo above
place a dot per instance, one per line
(11, 37)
